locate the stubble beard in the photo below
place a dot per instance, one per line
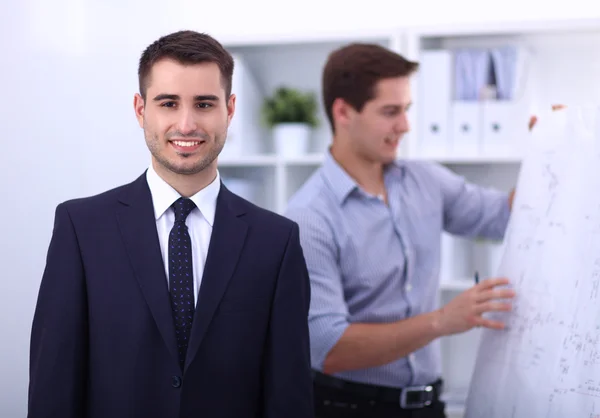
(215, 148)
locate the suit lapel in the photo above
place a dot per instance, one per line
(226, 243)
(138, 229)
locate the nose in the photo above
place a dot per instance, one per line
(402, 123)
(186, 123)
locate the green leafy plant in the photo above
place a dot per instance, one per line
(288, 105)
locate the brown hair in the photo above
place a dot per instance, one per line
(351, 73)
(186, 47)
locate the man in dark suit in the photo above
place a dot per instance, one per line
(171, 296)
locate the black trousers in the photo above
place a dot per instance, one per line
(335, 403)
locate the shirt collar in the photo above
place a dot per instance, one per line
(340, 181)
(163, 196)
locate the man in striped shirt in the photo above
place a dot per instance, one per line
(370, 229)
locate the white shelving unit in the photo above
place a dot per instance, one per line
(563, 66)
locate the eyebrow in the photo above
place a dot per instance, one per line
(397, 106)
(204, 97)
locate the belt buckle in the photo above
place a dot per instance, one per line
(415, 397)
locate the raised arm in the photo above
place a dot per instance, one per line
(471, 210)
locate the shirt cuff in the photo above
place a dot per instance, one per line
(325, 332)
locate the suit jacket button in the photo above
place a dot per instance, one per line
(176, 381)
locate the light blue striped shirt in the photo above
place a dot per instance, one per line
(373, 263)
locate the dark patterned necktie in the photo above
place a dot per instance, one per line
(181, 278)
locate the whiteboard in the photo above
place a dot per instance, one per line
(546, 363)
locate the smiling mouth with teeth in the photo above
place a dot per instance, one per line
(186, 143)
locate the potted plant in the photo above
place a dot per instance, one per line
(291, 114)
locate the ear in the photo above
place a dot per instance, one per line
(230, 108)
(139, 107)
(342, 112)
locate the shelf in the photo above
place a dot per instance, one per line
(472, 160)
(248, 161)
(266, 160)
(315, 159)
(309, 160)
(508, 28)
(311, 38)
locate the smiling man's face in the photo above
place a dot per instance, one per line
(185, 115)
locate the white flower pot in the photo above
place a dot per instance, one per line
(291, 139)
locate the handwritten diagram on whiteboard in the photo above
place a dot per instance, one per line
(546, 364)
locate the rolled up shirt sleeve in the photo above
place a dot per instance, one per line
(471, 210)
(328, 314)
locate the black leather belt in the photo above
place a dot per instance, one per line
(412, 397)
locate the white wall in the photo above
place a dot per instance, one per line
(68, 76)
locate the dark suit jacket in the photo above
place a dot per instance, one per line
(103, 339)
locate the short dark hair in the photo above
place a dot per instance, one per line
(352, 71)
(186, 47)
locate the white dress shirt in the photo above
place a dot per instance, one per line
(199, 221)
